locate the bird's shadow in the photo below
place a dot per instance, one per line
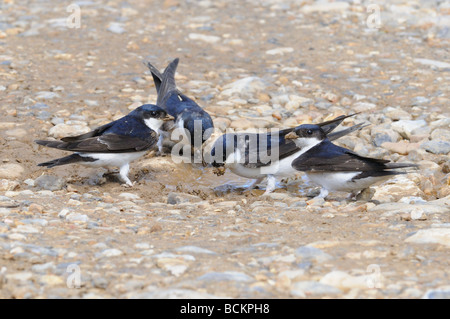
(98, 178)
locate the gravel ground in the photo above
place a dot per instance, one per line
(181, 231)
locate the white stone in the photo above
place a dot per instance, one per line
(63, 213)
(17, 133)
(45, 95)
(76, 217)
(142, 246)
(205, 38)
(174, 256)
(442, 292)
(325, 7)
(17, 250)
(391, 209)
(304, 288)
(295, 102)
(279, 51)
(116, 28)
(438, 64)
(245, 87)
(8, 185)
(19, 276)
(17, 236)
(174, 293)
(431, 236)
(11, 171)
(111, 253)
(129, 196)
(418, 214)
(406, 127)
(25, 229)
(195, 250)
(176, 269)
(345, 281)
(363, 106)
(29, 182)
(64, 130)
(396, 188)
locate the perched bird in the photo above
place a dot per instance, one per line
(194, 122)
(264, 155)
(114, 144)
(336, 168)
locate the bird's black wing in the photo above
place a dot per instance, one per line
(258, 149)
(168, 83)
(164, 82)
(108, 143)
(287, 147)
(329, 157)
(329, 126)
(157, 76)
(335, 135)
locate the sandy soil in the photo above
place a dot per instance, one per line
(131, 242)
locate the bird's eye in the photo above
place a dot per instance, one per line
(309, 132)
(153, 113)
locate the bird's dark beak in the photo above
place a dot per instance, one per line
(291, 136)
(168, 118)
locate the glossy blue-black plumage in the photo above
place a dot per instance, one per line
(272, 141)
(328, 157)
(186, 111)
(257, 148)
(127, 134)
(133, 124)
(176, 103)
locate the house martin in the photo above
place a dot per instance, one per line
(335, 168)
(115, 144)
(194, 123)
(265, 155)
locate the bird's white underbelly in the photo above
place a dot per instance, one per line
(342, 182)
(111, 159)
(280, 168)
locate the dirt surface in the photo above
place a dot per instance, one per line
(182, 231)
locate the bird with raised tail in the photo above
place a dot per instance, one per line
(193, 123)
(335, 168)
(115, 144)
(265, 155)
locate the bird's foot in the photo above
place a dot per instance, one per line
(124, 170)
(128, 184)
(161, 153)
(351, 196)
(271, 185)
(323, 194)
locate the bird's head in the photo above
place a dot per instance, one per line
(152, 115)
(306, 135)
